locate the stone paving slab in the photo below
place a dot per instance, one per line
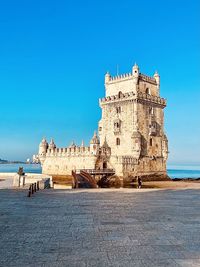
(103, 227)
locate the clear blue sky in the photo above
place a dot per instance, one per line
(54, 54)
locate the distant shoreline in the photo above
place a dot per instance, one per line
(5, 161)
(13, 162)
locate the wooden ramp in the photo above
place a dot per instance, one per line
(91, 178)
(83, 179)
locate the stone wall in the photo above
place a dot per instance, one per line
(63, 165)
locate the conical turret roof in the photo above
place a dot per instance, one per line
(52, 144)
(44, 142)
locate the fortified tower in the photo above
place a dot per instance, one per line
(133, 124)
(131, 139)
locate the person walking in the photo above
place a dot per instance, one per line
(139, 182)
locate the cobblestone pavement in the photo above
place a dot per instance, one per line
(120, 227)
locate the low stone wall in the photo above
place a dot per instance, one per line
(28, 178)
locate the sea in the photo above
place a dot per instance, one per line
(174, 171)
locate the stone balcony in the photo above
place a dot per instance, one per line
(141, 97)
(117, 98)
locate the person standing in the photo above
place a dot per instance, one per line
(139, 182)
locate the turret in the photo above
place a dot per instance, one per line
(157, 78)
(105, 149)
(107, 77)
(135, 73)
(43, 147)
(94, 144)
(52, 144)
(42, 150)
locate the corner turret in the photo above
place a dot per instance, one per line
(107, 77)
(157, 78)
(43, 146)
(135, 73)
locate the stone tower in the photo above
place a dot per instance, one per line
(133, 124)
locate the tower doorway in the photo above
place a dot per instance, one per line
(105, 165)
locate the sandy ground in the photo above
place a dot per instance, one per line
(174, 184)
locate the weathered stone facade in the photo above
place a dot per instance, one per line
(131, 131)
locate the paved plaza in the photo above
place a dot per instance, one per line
(100, 227)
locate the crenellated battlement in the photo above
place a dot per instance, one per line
(146, 78)
(128, 76)
(69, 151)
(121, 77)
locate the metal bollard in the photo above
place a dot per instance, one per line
(32, 189)
(29, 191)
(38, 186)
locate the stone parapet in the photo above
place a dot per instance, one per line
(68, 151)
(146, 78)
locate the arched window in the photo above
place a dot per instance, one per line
(120, 94)
(148, 92)
(117, 141)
